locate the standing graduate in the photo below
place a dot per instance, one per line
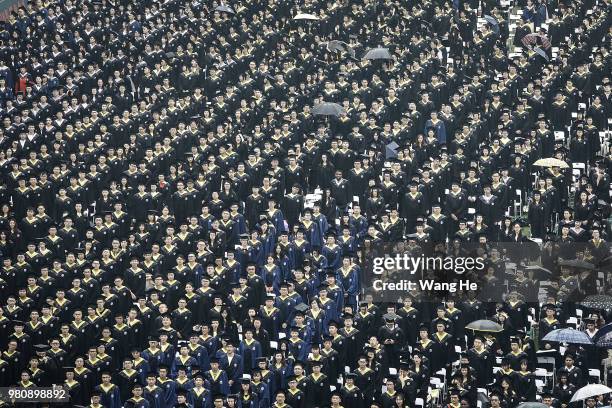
(109, 393)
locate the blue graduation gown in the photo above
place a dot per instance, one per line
(155, 397)
(109, 397)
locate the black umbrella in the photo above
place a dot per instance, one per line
(603, 341)
(538, 271)
(599, 302)
(578, 264)
(327, 109)
(339, 46)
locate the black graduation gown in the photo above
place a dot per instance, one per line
(366, 381)
(483, 363)
(391, 350)
(295, 398)
(526, 388)
(538, 219)
(317, 390)
(444, 351)
(352, 397)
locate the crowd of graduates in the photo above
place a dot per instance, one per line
(180, 227)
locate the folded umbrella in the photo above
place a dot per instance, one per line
(541, 53)
(485, 326)
(569, 335)
(591, 390)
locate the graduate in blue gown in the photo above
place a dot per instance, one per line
(332, 251)
(216, 379)
(348, 278)
(153, 393)
(312, 231)
(137, 400)
(250, 350)
(110, 396)
(259, 387)
(199, 396)
(167, 385)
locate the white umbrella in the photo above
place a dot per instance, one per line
(225, 9)
(591, 390)
(551, 162)
(305, 16)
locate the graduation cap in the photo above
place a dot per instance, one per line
(350, 376)
(390, 317)
(404, 365)
(41, 348)
(301, 307)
